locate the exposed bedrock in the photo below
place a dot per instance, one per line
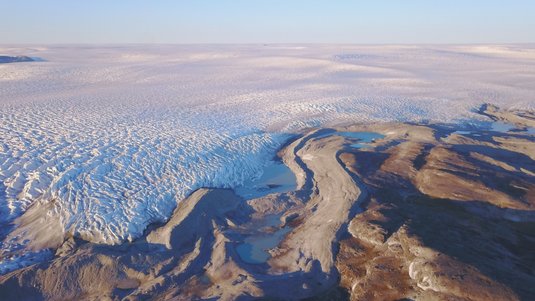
(450, 216)
(158, 264)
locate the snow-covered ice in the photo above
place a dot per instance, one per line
(115, 136)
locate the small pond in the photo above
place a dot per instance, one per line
(362, 139)
(276, 178)
(254, 248)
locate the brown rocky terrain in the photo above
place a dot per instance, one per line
(425, 213)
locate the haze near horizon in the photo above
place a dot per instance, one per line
(353, 22)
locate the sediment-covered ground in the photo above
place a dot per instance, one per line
(421, 212)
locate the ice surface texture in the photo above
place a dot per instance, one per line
(115, 136)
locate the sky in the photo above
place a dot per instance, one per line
(263, 21)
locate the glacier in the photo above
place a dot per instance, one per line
(112, 137)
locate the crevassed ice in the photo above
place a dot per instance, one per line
(116, 136)
(110, 179)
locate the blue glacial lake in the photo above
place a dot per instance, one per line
(362, 139)
(498, 126)
(254, 248)
(276, 178)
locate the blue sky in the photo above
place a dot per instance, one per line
(262, 21)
